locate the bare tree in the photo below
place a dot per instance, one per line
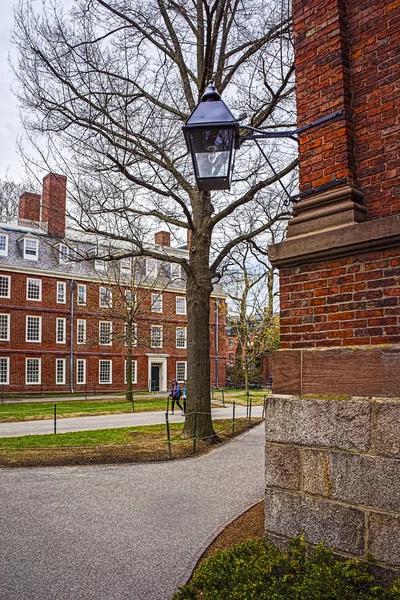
(105, 90)
(130, 294)
(10, 191)
(251, 315)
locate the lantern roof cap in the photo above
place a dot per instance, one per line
(211, 110)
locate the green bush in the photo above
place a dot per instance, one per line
(257, 570)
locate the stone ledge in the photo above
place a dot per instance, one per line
(336, 242)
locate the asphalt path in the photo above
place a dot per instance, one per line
(109, 421)
(125, 532)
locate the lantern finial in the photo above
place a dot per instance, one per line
(211, 94)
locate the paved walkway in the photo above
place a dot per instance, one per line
(123, 532)
(108, 421)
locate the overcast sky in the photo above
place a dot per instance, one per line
(10, 126)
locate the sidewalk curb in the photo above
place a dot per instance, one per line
(196, 559)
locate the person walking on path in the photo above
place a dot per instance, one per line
(184, 397)
(175, 395)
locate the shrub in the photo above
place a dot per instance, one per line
(258, 570)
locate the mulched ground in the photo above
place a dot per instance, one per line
(144, 448)
(248, 525)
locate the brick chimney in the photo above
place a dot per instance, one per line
(54, 203)
(162, 238)
(29, 206)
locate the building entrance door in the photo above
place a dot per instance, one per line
(155, 378)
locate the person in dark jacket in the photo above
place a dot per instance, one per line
(175, 395)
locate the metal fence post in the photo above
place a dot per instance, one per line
(194, 430)
(233, 418)
(250, 411)
(168, 435)
(55, 418)
(2, 394)
(223, 398)
(85, 391)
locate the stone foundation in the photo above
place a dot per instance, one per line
(333, 472)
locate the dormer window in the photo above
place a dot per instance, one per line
(31, 249)
(63, 253)
(3, 244)
(99, 265)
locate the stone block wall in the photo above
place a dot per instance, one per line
(333, 472)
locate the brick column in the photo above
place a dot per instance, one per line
(332, 453)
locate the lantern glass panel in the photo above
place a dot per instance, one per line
(212, 151)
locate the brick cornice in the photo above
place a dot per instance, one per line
(340, 241)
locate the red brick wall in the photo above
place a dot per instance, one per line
(345, 302)
(347, 57)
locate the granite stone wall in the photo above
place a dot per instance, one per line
(333, 472)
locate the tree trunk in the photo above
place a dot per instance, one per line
(198, 294)
(129, 390)
(246, 374)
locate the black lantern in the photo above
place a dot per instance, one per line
(212, 136)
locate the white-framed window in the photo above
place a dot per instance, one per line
(100, 265)
(181, 371)
(81, 331)
(5, 286)
(156, 303)
(80, 370)
(130, 299)
(4, 327)
(152, 267)
(33, 329)
(60, 371)
(180, 305)
(105, 297)
(156, 336)
(230, 343)
(134, 371)
(181, 337)
(81, 294)
(105, 333)
(33, 371)
(61, 330)
(105, 371)
(134, 334)
(63, 256)
(231, 357)
(4, 370)
(31, 249)
(34, 289)
(61, 292)
(3, 244)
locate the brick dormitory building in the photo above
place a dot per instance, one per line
(65, 312)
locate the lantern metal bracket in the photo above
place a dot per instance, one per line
(289, 133)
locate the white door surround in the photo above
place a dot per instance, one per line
(161, 360)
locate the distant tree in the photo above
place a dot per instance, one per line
(10, 191)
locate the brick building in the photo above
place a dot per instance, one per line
(64, 310)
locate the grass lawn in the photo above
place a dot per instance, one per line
(239, 396)
(31, 411)
(125, 444)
